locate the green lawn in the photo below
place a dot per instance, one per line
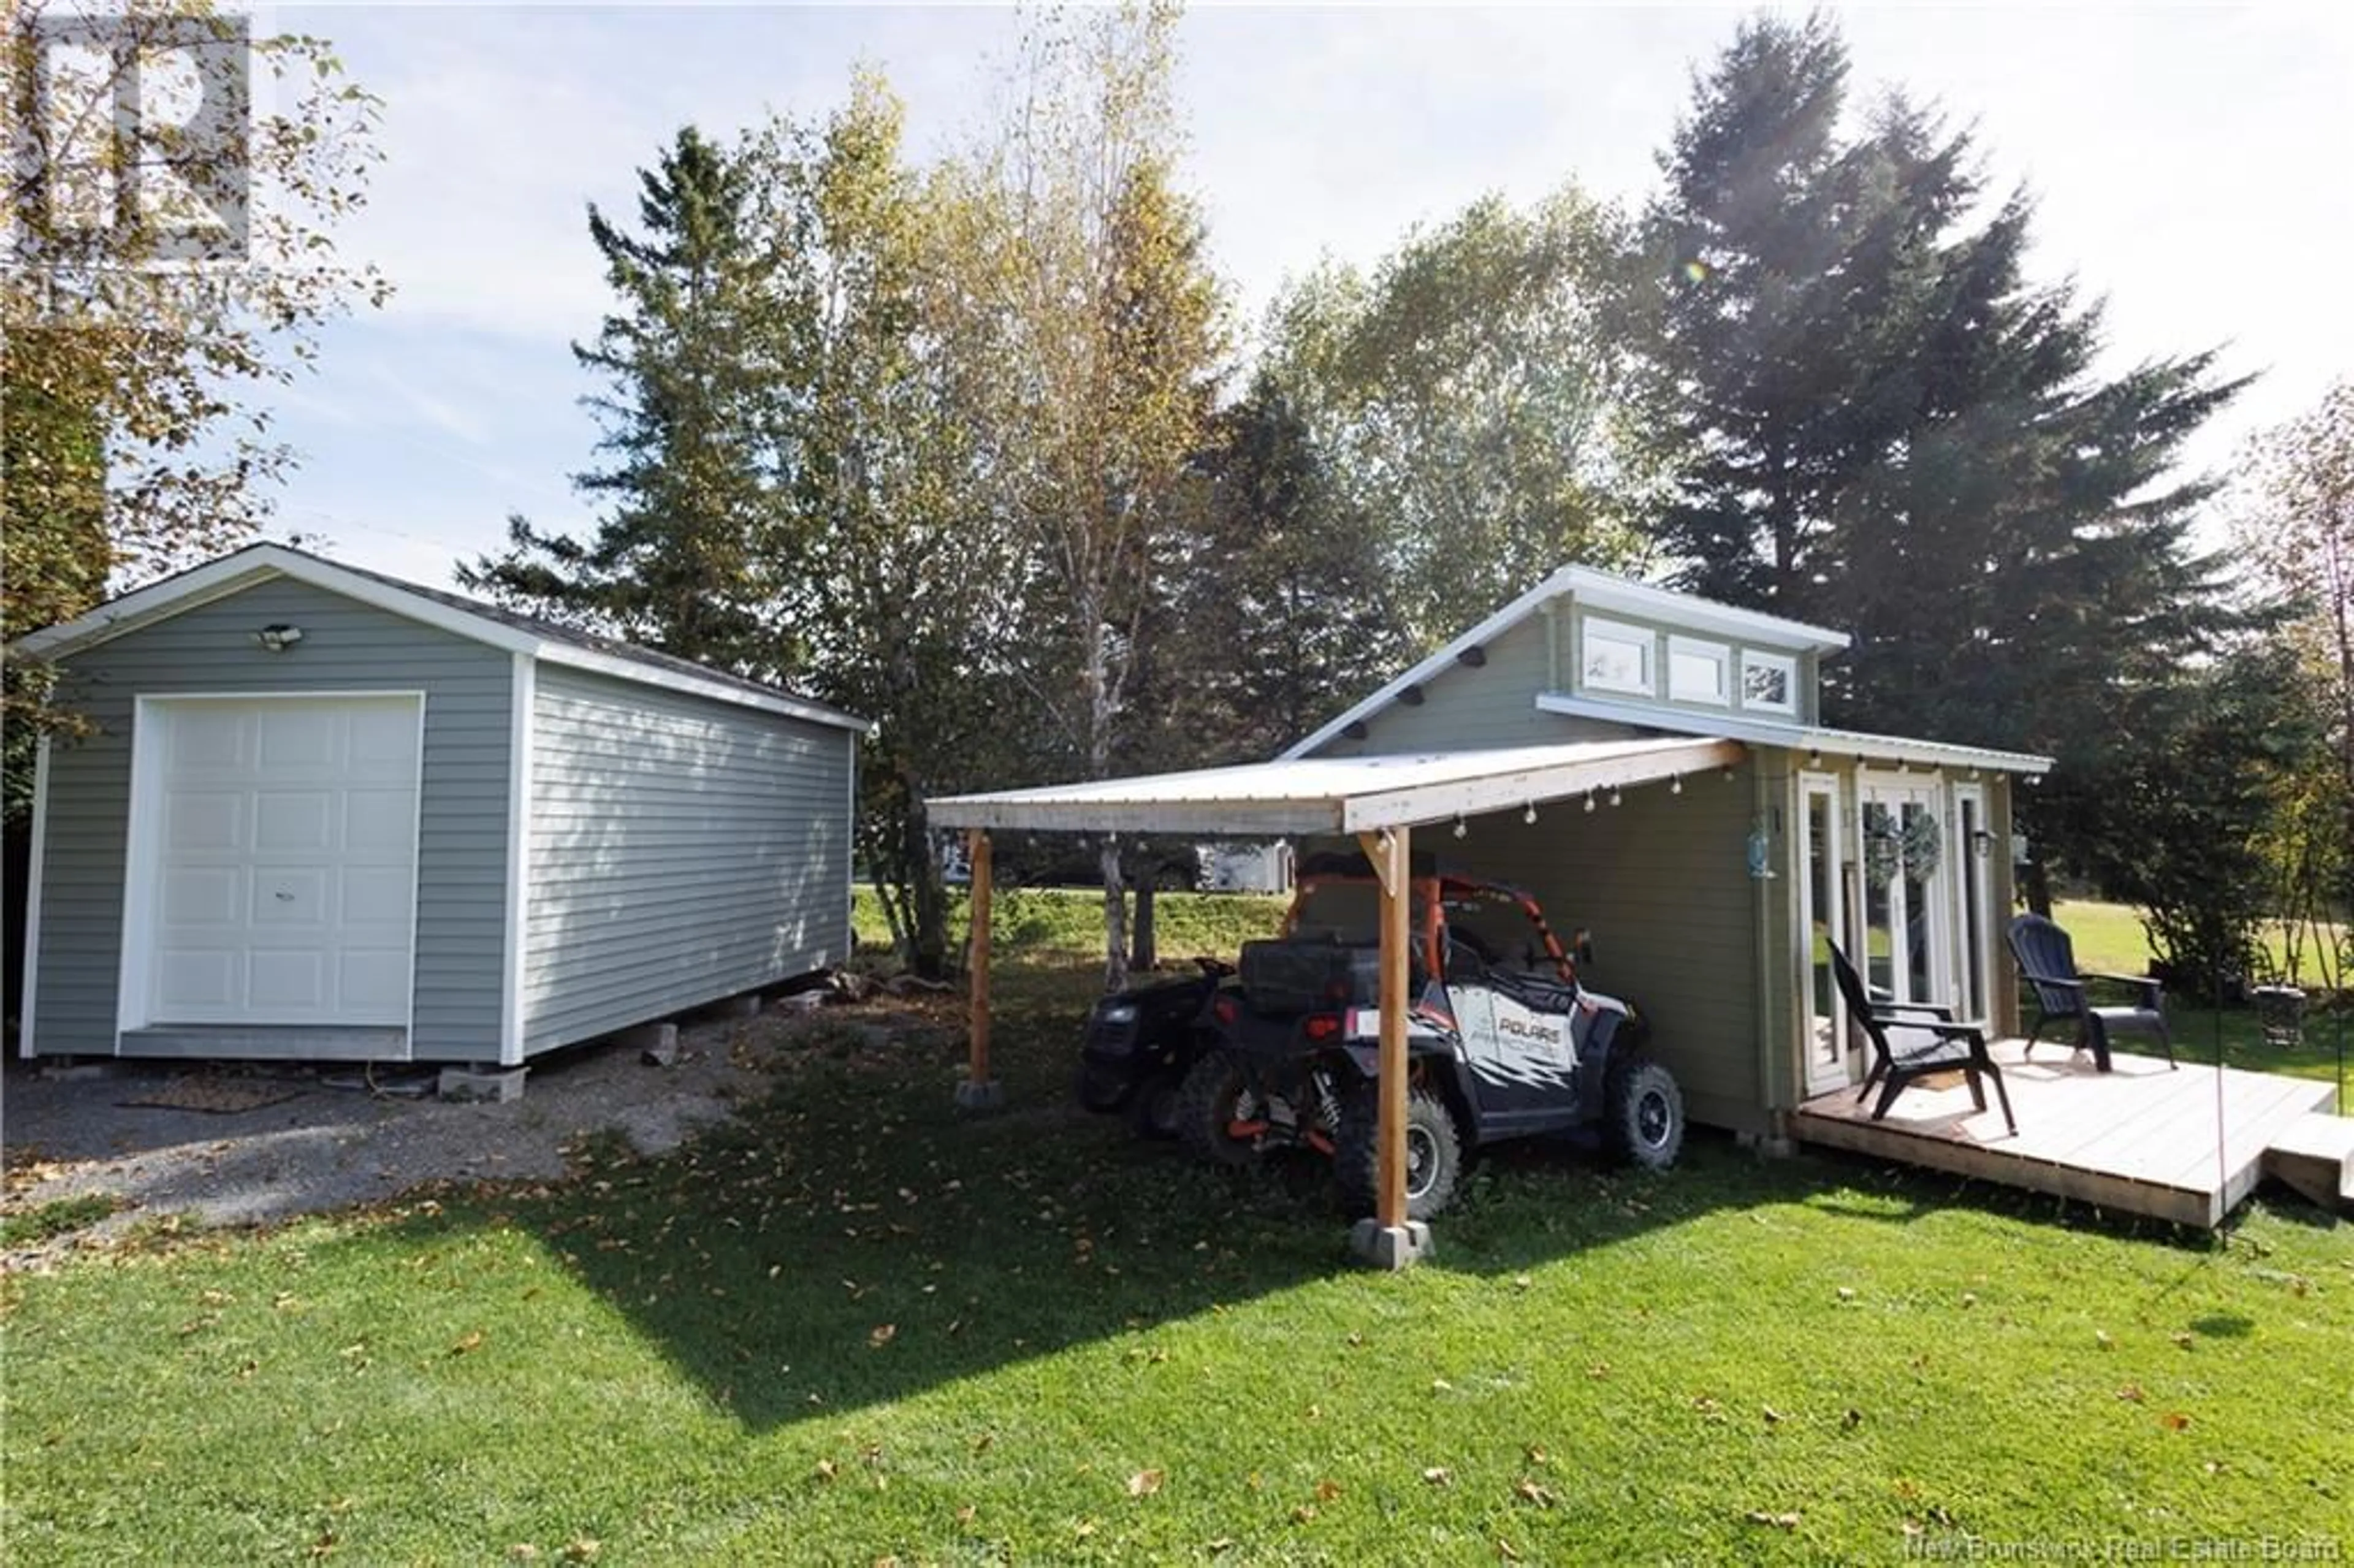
(854, 1326)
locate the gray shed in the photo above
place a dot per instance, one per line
(325, 814)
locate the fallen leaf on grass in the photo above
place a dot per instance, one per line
(1144, 1483)
(1851, 1420)
(1084, 1529)
(1598, 1370)
(1847, 1293)
(1536, 1455)
(825, 1469)
(2185, 1339)
(1437, 1476)
(1504, 1551)
(1778, 1521)
(1773, 1417)
(523, 1552)
(2101, 1338)
(582, 1548)
(472, 1339)
(1304, 1513)
(1527, 1491)
(881, 1335)
(967, 1514)
(2131, 1391)
(2175, 1421)
(1326, 1490)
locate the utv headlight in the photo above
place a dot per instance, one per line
(1118, 1012)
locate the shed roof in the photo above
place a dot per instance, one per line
(1860, 745)
(1597, 590)
(451, 612)
(1337, 794)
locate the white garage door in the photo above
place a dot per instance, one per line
(285, 860)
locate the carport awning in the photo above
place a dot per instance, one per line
(1336, 794)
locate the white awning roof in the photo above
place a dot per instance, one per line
(1337, 794)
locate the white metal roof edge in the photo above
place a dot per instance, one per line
(1603, 590)
(261, 563)
(1304, 795)
(1801, 737)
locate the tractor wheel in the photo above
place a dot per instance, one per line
(1434, 1153)
(1219, 1113)
(1101, 1089)
(1152, 1109)
(1643, 1118)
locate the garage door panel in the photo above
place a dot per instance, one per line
(379, 822)
(207, 821)
(373, 895)
(197, 978)
(283, 980)
(296, 897)
(383, 738)
(299, 734)
(303, 820)
(284, 869)
(375, 978)
(204, 896)
(226, 744)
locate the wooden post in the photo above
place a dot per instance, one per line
(977, 1091)
(1388, 853)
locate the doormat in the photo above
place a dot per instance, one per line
(222, 1097)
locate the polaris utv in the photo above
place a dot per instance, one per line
(1502, 1040)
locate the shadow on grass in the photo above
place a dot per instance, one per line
(852, 1240)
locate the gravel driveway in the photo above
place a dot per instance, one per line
(329, 1147)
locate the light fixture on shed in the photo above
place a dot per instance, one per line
(1815, 758)
(1459, 829)
(277, 636)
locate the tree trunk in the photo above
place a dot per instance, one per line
(1115, 921)
(2038, 887)
(1144, 946)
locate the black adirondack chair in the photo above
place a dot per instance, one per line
(1934, 1044)
(2047, 962)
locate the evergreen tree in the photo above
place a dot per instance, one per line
(1878, 422)
(1279, 616)
(679, 562)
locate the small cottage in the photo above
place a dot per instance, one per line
(324, 814)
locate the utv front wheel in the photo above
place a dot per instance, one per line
(1645, 1118)
(1434, 1153)
(1220, 1114)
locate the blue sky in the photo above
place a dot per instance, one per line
(2190, 164)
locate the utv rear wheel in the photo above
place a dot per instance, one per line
(1645, 1117)
(1219, 1112)
(1434, 1153)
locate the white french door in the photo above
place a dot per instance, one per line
(1906, 863)
(1822, 858)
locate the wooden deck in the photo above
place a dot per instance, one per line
(2141, 1139)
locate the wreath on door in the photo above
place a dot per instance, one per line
(1916, 848)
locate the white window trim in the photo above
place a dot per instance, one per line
(1718, 653)
(1626, 636)
(1753, 659)
(28, 1004)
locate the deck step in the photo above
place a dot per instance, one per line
(2314, 1154)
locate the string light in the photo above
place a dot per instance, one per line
(1676, 785)
(1459, 829)
(1529, 814)
(1614, 794)
(1589, 800)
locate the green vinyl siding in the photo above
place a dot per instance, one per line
(346, 646)
(682, 850)
(1486, 707)
(1661, 881)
